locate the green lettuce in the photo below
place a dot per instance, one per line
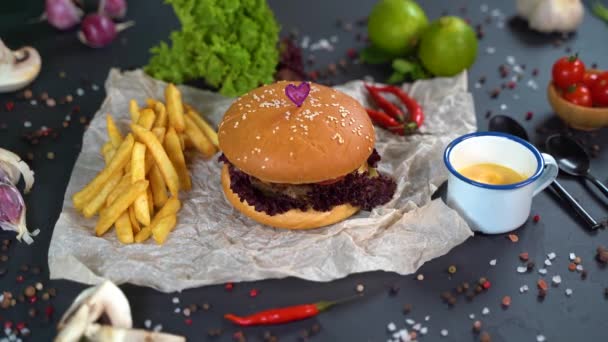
(232, 44)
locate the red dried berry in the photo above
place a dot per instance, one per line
(8, 325)
(524, 256)
(506, 301)
(33, 299)
(20, 279)
(188, 321)
(486, 285)
(511, 85)
(352, 53)
(229, 286)
(9, 105)
(536, 218)
(529, 115)
(20, 326)
(542, 284)
(49, 311)
(253, 293)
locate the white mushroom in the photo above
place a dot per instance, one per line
(107, 300)
(18, 68)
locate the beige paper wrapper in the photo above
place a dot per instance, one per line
(213, 243)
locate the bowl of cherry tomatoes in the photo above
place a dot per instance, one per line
(578, 95)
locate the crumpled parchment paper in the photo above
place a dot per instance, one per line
(213, 243)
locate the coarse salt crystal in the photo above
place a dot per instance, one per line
(147, 323)
(510, 60)
(542, 270)
(333, 39)
(175, 300)
(503, 107)
(485, 311)
(426, 318)
(551, 256)
(322, 44)
(572, 256)
(483, 8)
(444, 332)
(556, 279)
(33, 102)
(177, 310)
(540, 338)
(27, 124)
(417, 326)
(522, 269)
(391, 326)
(305, 42)
(490, 50)
(548, 262)
(158, 328)
(568, 292)
(95, 87)
(79, 92)
(410, 321)
(424, 330)
(472, 316)
(493, 262)
(579, 268)
(477, 85)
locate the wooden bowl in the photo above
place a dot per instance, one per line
(578, 117)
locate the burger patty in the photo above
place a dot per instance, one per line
(365, 190)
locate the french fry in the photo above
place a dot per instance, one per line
(134, 110)
(110, 214)
(198, 138)
(108, 151)
(162, 228)
(160, 133)
(204, 126)
(160, 157)
(174, 151)
(161, 115)
(134, 224)
(150, 102)
(175, 108)
(146, 119)
(187, 142)
(143, 235)
(170, 208)
(122, 186)
(95, 204)
(120, 159)
(150, 202)
(113, 132)
(124, 231)
(138, 173)
(157, 184)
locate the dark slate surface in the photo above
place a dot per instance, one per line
(559, 318)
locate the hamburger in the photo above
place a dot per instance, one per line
(300, 156)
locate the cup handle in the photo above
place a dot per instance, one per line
(549, 174)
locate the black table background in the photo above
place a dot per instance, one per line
(558, 317)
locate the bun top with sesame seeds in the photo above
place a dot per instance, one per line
(268, 137)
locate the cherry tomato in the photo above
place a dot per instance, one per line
(578, 94)
(603, 76)
(567, 71)
(590, 79)
(599, 93)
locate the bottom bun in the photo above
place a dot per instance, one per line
(292, 219)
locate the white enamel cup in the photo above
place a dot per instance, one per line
(495, 209)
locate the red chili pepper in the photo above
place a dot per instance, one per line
(381, 118)
(416, 113)
(389, 107)
(403, 129)
(280, 315)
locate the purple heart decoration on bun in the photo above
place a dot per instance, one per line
(297, 94)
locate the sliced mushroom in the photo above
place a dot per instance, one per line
(105, 299)
(104, 302)
(18, 68)
(104, 333)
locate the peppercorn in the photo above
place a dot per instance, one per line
(578, 260)
(407, 308)
(465, 285)
(452, 301)
(482, 280)
(393, 290)
(572, 267)
(470, 295)
(485, 337)
(30, 291)
(530, 266)
(445, 295)
(584, 274)
(459, 289)
(506, 301)
(52, 292)
(478, 289)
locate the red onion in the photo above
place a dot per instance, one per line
(62, 14)
(115, 9)
(98, 30)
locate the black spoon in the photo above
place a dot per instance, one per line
(572, 158)
(505, 124)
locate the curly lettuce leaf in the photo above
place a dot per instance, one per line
(232, 44)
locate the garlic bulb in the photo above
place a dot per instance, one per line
(552, 15)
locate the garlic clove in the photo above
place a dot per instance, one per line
(557, 16)
(525, 8)
(105, 333)
(18, 68)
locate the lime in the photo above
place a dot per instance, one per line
(448, 46)
(394, 26)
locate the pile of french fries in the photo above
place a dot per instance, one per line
(137, 191)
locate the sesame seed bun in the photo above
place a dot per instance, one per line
(267, 136)
(292, 219)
